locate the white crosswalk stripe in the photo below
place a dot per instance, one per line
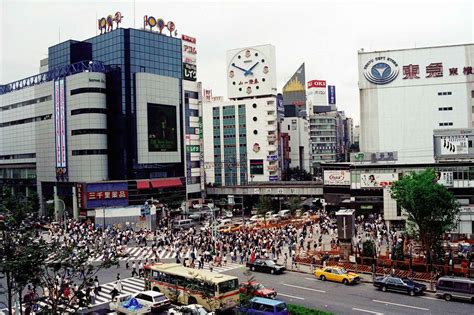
(129, 286)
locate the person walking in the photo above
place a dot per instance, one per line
(92, 297)
(134, 270)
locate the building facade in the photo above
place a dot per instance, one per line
(294, 94)
(118, 114)
(406, 94)
(297, 129)
(241, 135)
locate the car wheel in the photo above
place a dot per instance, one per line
(411, 292)
(345, 281)
(384, 289)
(447, 297)
(272, 271)
(323, 278)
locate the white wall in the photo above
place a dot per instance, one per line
(401, 115)
(298, 131)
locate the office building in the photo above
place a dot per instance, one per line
(114, 120)
(241, 134)
(405, 94)
(294, 94)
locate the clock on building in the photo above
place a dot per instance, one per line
(251, 72)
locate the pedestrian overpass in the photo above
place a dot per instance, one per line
(290, 188)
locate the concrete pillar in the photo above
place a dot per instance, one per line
(57, 215)
(75, 208)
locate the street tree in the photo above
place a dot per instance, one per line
(294, 203)
(263, 206)
(431, 209)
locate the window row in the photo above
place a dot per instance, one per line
(88, 132)
(26, 103)
(444, 108)
(25, 121)
(88, 111)
(89, 152)
(18, 156)
(445, 123)
(444, 93)
(88, 90)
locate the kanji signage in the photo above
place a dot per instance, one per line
(105, 194)
(189, 72)
(95, 195)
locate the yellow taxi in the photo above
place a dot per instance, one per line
(336, 274)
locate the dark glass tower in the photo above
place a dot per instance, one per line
(128, 51)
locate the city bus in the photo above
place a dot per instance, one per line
(214, 291)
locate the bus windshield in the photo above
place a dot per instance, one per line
(227, 286)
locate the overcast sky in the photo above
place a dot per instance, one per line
(324, 34)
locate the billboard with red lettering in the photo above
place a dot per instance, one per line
(105, 194)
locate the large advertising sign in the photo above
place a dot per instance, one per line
(106, 195)
(337, 178)
(377, 180)
(331, 94)
(256, 167)
(60, 128)
(162, 129)
(316, 93)
(189, 57)
(280, 107)
(189, 72)
(454, 145)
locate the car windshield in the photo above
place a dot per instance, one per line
(259, 286)
(160, 298)
(270, 263)
(342, 271)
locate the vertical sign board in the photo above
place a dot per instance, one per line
(60, 127)
(332, 94)
(57, 125)
(62, 104)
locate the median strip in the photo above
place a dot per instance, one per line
(290, 296)
(402, 305)
(366, 311)
(303, 288)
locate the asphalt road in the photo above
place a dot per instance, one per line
(363, 298)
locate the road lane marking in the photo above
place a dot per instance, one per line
(312, 279)
(290, 296)
(402, 305)
(366, 311)
(304, 288)
(430, 298)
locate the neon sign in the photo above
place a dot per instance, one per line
(159, 23)
(107, 24)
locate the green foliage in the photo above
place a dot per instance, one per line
(398, 252)
(368, 248)
(245, 298)
(294, 203)
(429, 206)
(295, 173)
(15, 205)
(263, 205)
(301, 310)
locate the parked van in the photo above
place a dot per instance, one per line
(285, 214)
(455, 287)
(262, 306)
(183, 224)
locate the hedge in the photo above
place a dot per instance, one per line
(301, 310)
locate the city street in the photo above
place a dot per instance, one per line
(363, 298)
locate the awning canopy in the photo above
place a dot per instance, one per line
(166, 183)
(143, 184)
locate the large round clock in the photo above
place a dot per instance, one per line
(248, 73)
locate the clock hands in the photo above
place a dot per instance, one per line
(249, 71)
(245, 71)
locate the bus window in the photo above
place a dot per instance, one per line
(461, 287)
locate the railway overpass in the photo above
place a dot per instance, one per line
(290, 188)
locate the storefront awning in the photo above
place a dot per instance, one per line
(166, 183)
(143, 184)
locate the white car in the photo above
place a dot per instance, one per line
(275, 217)
(192, 309)
(152, 301)
(228, 214)
(256, 218)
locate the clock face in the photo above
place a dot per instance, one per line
(248, 73)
